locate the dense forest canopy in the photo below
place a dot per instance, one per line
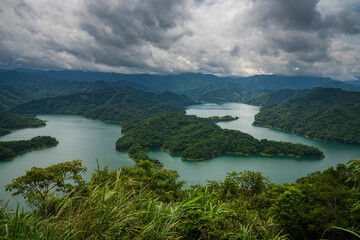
(10, 97)
(16, 121)
(124, 105)
(278, 97)
(10, 149)
(224, 92)
(329, 114)
(200, 138)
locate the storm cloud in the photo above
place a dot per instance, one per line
(223, 37)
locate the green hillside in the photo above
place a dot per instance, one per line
(124, 105)
(10, 97)
(224, 92)
(327, 113)
(278, 97)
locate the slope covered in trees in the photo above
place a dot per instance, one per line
(39, 85)
(327, 113)
(278, 97)
(10, 149)
(143, 203)
(200, 138)
(224, 92)
(124, 105)
(10, 97)
(17, 121)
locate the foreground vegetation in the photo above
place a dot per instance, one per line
(17, 121)
(10, 149)
(197, 138)
(142, 203)
(329, 114)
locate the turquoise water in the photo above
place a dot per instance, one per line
(89, 140)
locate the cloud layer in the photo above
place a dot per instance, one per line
(223, 37)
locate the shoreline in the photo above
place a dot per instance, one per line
(29, 150)
(249, 154)
(298, 134)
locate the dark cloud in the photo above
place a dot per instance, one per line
(226, 37)
(123, 23)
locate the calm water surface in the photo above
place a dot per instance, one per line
(89, 140)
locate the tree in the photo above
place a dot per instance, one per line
(41, 183)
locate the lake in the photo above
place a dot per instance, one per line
(89, 140)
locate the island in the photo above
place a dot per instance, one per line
(196, 138)
(226, 118)
(17, 121)
(10, 149)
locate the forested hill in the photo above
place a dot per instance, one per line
(16, 121)
(39, 86)
(224, 92)
(124, 105)
(327, 113)
(10, 97)
(200, 138)
(278, 97)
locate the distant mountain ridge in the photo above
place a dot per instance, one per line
(330, 114)
(46, 86)
(187, 81)
(276, 82)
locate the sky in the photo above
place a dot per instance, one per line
(221, 37)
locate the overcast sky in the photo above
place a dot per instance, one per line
(222, 37)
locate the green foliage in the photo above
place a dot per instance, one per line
(16, 121)
(10, 97)
(40, 183)
(226, 118)
(124, 105)
(12, 148)
(224, 92)
(4, 131)
(278, 97)
(289, 211)
(143, 203)
(199, 138)
(326, 113)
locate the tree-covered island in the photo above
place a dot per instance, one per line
(197, 138)
(17, 121)
(226, 118)
(10, 149)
